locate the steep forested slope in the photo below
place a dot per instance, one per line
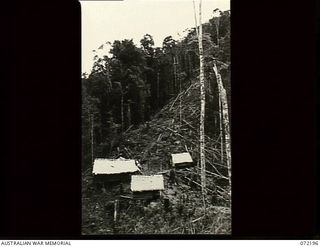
(143, 103)
(133, 84)
(151, 144)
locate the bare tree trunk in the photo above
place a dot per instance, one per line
(91, 121)
(202, 109)
(180, 98)
(141, 106)
(129, 113)
(180, 103)
(217, 28)
(221, 130)
(122, 116)
(195, 18)
(115, 216)
(189, 63)
(142, 111)
(226, 125)
(202, 104)
(175, 73)
(158, 89)
(109, 88)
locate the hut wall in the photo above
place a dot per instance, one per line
(146, 194)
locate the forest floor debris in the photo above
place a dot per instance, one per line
(174, 129)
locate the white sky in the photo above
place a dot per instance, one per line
(104, 21)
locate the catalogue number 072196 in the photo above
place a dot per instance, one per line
(309, 242)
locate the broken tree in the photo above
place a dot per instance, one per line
(225, 118)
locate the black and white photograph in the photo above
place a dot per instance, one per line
(156, 117)
(123, 120)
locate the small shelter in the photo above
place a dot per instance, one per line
(114, 170)
(182, 160)
(147, 187)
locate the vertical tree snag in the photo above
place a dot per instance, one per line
(122, 114)
(142, 103)
(202, 102)
(202, 108)
(175, 73)
(91, 122)
(180, 103)
(158, 89)
(115, 215)
(225, 116)
(216, 14)
(221, 130)
(189, 65)
(195, 18)
(129, 113)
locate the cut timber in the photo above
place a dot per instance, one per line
(146, 187)
(182, 160)
(112, 170)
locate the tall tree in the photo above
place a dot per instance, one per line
(223, 99)
(216, 17)
(127, 68)
(147, 44)
(202, 103)
(202, 107)
(225, 118)
(169, 48)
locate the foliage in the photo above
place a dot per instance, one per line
(132, 85)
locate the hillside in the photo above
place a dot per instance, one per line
(174, 129)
